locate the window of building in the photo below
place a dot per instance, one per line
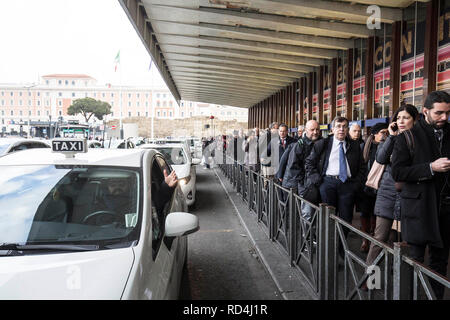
(165, 114)
(157, 95)
(66, 82)
(20, 102)
(12, 94)
(60, 112)
(137, 104)
(59, 103)
(159, 114)
(20, 113)
(47, 94)
(73, 94)
(170, 114)
(59, 94)
(73, 82)
(12, 112)
(103, 94)
(47, 82)
(20, 93)
(137, 95)
(39, 113)
(164, 104)
(38, 94)
(138, 114)
(182, 113)
(59, 82)
(29, 112)
(158, 104)
(112, 95)
(38, 103)
(129, 113)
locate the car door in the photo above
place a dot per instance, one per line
(175, 246)
(165, 279)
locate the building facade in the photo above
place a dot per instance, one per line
(400, 64)
(23, 106)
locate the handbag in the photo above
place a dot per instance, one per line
(374, 176)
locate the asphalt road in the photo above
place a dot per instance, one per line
(222, 262)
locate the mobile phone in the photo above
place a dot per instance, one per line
(395, 127)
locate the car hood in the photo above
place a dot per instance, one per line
(182, 170)
(78, 275)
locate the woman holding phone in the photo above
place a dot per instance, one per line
(387, 204)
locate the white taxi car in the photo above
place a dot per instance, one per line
(179, 157)
(9, 145)
(99, 224)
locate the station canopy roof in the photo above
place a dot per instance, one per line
(239, 52)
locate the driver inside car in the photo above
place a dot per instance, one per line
(115, 199)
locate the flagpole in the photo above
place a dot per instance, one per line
(153, 108)
(120, 94)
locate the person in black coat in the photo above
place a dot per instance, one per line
(387, 204)
(336, 165)
(283, 142)
(425, 194)
(365, 201)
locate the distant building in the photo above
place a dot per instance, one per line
(49, 100)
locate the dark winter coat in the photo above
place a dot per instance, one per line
(422, 190)
(387, 204)
(292, 164)
(316, 163)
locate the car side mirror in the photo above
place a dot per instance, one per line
(195, 161)
(180, 224)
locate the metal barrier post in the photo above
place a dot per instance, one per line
(272, 208)
(250, 189)
(292, 228)
(327, 260)
(403, 273)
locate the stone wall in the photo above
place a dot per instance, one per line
(194, 126)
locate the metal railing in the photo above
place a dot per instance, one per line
(325, 249)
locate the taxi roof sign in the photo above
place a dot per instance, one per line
(69, 147)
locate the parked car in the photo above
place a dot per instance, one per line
(9, 145)
(119, 144)
(179, 157)
(80, 223)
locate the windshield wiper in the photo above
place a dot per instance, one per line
(56, 247)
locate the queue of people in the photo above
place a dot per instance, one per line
(411, 154)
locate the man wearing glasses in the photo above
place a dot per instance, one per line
(337, 167)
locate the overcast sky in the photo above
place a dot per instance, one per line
(41, 37)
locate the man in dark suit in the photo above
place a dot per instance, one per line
(425, 195)
(282, 143)
(336, 165)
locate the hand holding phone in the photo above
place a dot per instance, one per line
(393, 128)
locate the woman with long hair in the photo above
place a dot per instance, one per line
(387, 204)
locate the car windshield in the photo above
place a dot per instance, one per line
(174, 156)
(3, 147)
(69, 204)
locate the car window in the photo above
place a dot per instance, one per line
(161, 202)
(173, 156)
(69, 204)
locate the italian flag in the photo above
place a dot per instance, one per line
(117, 61)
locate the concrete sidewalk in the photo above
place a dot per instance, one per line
(288, 279)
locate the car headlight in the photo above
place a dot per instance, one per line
(185, 180)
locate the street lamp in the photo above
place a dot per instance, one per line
(212, 124)
(50, 126)
(28, 87)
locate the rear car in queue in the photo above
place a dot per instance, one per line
(79, 223)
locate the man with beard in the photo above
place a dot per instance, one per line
(425, 194)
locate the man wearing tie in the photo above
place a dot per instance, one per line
(337, 167)
(283, 142)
